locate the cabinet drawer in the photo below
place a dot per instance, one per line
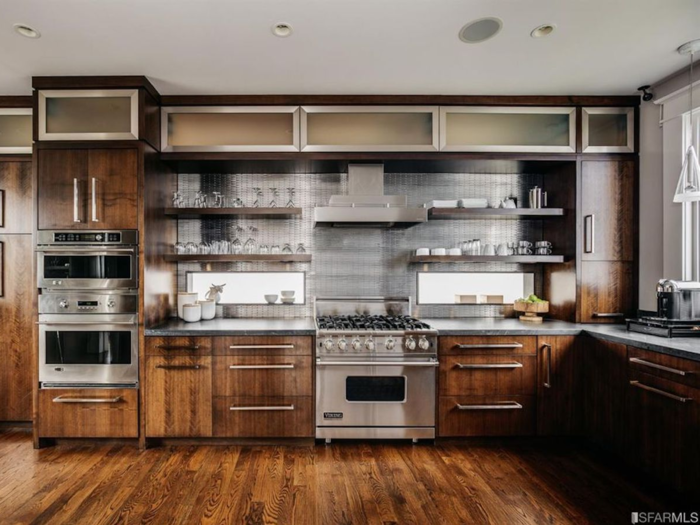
(668, 367)
(486, 416)
(267, 345)
(93, 413)
(262, 376)
(490, 344)
(165, 346)
(488, 374)
(263, 417)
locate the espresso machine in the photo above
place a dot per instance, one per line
(677, 311)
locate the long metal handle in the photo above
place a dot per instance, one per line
(491, 346)
(432, 363)
(607, 315)
(548, 381)
(2, 208)
(85, 250)
(166, 347)
(94, 200)
(261, 367)
(260, 347)
(506, 405)
(485, 366)
(76, 198)
(2, 269)
(660, 367)
(661, 392)
(283, 407)
(64, 399)
(87, 323)
(589, 233)
(179, 367)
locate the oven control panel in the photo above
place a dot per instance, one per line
(83, 237)
(339, 344)
(86, 303)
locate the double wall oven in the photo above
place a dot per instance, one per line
(88, 308)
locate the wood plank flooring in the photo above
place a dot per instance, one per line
(473, 482)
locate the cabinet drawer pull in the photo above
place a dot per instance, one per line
(589, 234)
(661, 392)
(176, 347)
(64, 399)
(487, 366)
(76, 198)
(491, 346)
(261, 367)
(548, 381)
(261, 347)
(660, 367)
(506, 405)
(94, 200)
(607, 315)
(179, 367)
(283, 407)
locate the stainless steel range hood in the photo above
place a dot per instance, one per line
(366, 206)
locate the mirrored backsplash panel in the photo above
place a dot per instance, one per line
(366, 261)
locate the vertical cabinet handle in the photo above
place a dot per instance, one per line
(94, 200)
(2, 269)
(76, 198)
(548, 381)
(589, 233)
(2, 208)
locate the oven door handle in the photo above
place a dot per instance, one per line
(92, 323)
(431, 364)
(82, 250)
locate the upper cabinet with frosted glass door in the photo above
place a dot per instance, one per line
(607, 130)
(369, 128)
(230, 128)
(508, 129)
(15, 131)
(88, 114)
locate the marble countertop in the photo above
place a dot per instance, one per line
(497, 326)
(237, 326)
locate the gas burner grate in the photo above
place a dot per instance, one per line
(370, 323)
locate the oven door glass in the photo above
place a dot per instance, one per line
(87, 347)
(87, 266)
(381, 389)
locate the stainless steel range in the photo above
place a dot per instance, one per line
(376, 370)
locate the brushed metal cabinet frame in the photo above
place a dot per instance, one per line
(16, 149)
(434, 111)
(165, 124)
(571, 111)
(587, 148)
(132, 134)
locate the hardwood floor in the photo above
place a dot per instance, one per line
(491, 482)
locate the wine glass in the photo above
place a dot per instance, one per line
(275, 193)
(287, 250)
(300, 248)
(258, 195)
(291, 193)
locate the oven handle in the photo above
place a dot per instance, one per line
(431, 364)
(63, 399)
(105, 323)
(83, 250)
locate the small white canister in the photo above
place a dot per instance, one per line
(208, 309)
(184, 298)
(192, 313)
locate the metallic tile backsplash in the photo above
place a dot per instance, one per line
(353, 262)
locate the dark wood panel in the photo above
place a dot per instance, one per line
(16, 197)
(247, 380)
(457, 381)
(668, 367)
(608, 195)
(96, 82)
(88, 419)
(149, 119)
(559, 386)
(263, 345)
(57, 170)
(179, 346)
(15, 102)
(16, 252)
(479, 345)
(178, 396)
(607, 288)
(456, 422)
(116, 175)
(291, 417)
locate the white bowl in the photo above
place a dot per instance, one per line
(454, 251)
(287, 300)
(287, 293)
(438, 251)
(271, 298)
(423, 251)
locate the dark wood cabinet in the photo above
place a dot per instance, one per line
(608, 292)
(178, 400)
(88, 189)
(15, 197)
(559, 391)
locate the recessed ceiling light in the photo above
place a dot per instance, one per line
(480, 30)
(26, 31)
(282, 30)
(543, 31)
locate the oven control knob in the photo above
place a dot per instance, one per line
(328, 344)
(342, 345)
(369, 344)
(410, 343)
(390, 343)
(356, 344)
(63, 303)
(423, 343)
(98, 237)
(111, 303)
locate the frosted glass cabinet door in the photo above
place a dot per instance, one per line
(90, 114)
(15, 130)
(369, 128)
(608, 130)
(508, 129)
(232, 128)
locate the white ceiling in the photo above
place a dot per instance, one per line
(349, 46)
